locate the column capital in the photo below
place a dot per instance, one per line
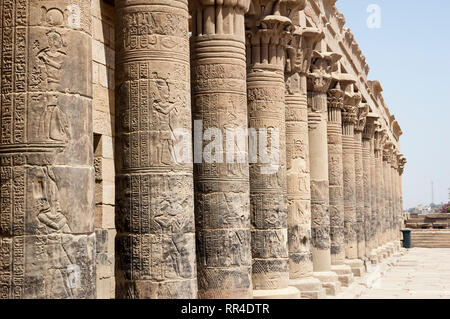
(269, 29)
(300, 49)
(369, 129)
(351, 106)
(388, 151)
(240, 4)
(402, 163)
(335, 98)
(380, 137)
(340, 82)
(322, 66)
(361, 117)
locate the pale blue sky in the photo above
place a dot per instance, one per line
(410, 56)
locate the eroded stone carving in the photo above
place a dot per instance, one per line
(155, 242)
(222, 203)
(47, 239)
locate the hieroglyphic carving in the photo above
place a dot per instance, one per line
(379, 138)
(335, 173)
(319, 80)
(154, 188)
(297, 151)
(349, 119)
(361, 115)
(269, 30)
(222, 203)
(46, 231)
(370, 206)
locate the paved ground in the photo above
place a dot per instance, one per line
(422, 273)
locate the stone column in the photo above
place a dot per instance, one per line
(367, 192)
(361, 211)
(401, 167)
(297, 164)
(222, 200)
(370, 187)
(319, 81)
(349, 120)
(47, 241)
(269, 30)
(155, 243)
(378, 147)
(387, 191)
(336, 178)
(395, 217)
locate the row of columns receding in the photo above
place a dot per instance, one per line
(207, 230)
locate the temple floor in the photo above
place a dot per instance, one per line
(417, 273)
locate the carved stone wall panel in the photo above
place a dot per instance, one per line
(46, 223)
(154, 184)
(222, 190)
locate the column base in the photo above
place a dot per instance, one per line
(357, 266)
(309, 287)
(282, 293)
(345, 274)
(330, 281)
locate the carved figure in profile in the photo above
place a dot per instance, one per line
(50, 59)
(53, 123)
(172, 220)
(165, 103)
(53, 231)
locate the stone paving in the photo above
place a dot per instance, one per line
(419, 273)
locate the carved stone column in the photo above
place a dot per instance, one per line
(401, 167)
(349, 120)
(319, 81)
(268, 32)
(155, 243)
(222, 200)
(336, 178)
(395, 212)
(380, 138)
(297, 164)
(361, 211)
(47, 242)
(387, 190)
(370, 186)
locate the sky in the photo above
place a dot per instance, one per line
(410, 55)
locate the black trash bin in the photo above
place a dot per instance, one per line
(407, 238)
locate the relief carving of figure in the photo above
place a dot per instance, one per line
(171, 218)
(53, 124)
(53, 231)
(50, 60)
(165, 103)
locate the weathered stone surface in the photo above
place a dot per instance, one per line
(335, 169)
(47, 240)
(155, 243)
(297, 152)
(222, 203)
(319, 81)
(362, 112)
(349, 119)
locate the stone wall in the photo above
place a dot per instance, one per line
(103, 116)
